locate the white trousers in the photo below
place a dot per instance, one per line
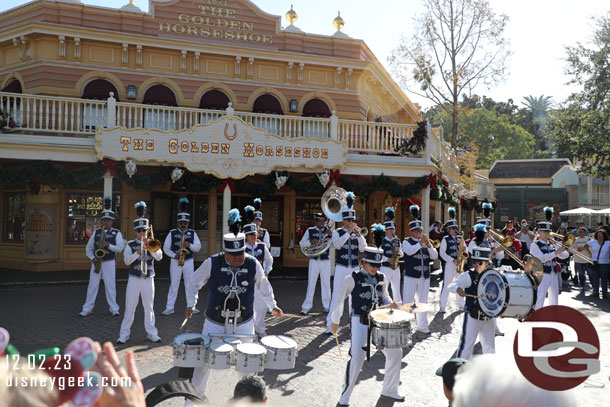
(420, 287)
(260, 309)
(549, 283)
(201, 375)
(472, 328)
(136, 288)
(392, 276)
(317, 268)
(340, 274)
(357, 355)
(175, 273)
(108, 273)
(450, 275)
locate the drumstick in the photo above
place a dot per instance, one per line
(472, 295)
(183, 323)
(338, 346)
(389, 305)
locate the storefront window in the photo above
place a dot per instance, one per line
(14, 217)
(306, 210)
(84, 211)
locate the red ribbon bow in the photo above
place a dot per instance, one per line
(334, 177)
(230, 182)
(109, 165)
(431, 182)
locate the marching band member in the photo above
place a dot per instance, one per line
(475, 322)
(318, 266)
(258, 250)
(366, 287)
(141, 278)
(546, 253)
(349, 242)
(172, 247)
(496, 250)
(449, 250)
(392, 276)
(218, 272)
(111, 243)
(258, 219)
(418, 252)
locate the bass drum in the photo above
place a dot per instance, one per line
(508, 294)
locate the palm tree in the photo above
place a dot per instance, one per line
(538, 108)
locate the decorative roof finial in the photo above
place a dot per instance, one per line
(291, 15)
(338, 22)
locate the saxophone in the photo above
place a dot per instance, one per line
(462, 256)
(395, 254)
(182, 252)
(99, 254)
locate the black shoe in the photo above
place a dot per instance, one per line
(594, 295)
(342, 405)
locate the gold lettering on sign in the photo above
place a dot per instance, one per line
(288, 151)
(184, 146)
(215, 148)
(216, 21)
(205, 148)
(125, 141)
(194, 148)
(138, 144)
(268, 151)
(150, 145)
(278, 151)
(224, 148)
(227, 132)
(173, 146)
(306, 152)
(297, 152)
(248, 149)
(259, 150)
(316, 153)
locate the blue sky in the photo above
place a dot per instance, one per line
(538, 31)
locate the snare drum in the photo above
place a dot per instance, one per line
(390, 328)
(190, 350)
(509, 294)
(281, 352)
(220, 355)
(250, 357)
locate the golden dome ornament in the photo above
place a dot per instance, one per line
(338, 22)
(291, 15)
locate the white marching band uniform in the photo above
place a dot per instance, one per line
(318, 266)
(449, 252)
(545, 252)
(392, 276)
(260, 252)
(107, 272)
(171, 247)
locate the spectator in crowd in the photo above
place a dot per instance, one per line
(581, 265)
(250, 389)
(509, 228)
(448, 372)
(493, 380)
(436, 230)
(580, 223)
(526, 237)
(600, 254)
(24, 396)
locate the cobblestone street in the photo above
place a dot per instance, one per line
(45, 316)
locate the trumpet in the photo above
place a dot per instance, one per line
(431, 243)
(361, 231)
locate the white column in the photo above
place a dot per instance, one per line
(589, 190)
(334, 127)
(111, 101)
(226, 207)
(107, 184)
(438, 211)
(425, 209)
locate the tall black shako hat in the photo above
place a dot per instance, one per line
(452, 222)
(258, 215)
(374, 254)
(389, 218)
(249, 225)
(107, 213)
(548, 225)
(348, 212)
(234, 241)
(141, 223)
(415, 223)
(183, 216)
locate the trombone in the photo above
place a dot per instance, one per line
(505, 242)
(566, 241)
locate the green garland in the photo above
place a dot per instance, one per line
(48, 172)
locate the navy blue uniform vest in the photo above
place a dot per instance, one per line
(176, 236)
(419, 263)
(219, 285)
(314, 233)
(362, 295)
(258, 252)
(452, 245)
(472, 304)
(347, 256)
(388, 249)
(263, 234)
(546, 248)
(109, 237)
(135, 268)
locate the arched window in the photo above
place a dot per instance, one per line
(11, 105)
(95, 115)
(160, 117)
(213, 99)
(316, 128)
(268, 104)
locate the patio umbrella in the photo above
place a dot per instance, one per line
(604, 211)
(579, 211)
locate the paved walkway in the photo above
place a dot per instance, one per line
(40, 317)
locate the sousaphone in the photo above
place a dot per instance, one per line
(332, 203)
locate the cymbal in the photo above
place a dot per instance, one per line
(415, 307)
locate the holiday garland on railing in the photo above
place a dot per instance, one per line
(35, 173)
(417, 143)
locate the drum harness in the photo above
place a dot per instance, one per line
(365, 318)
(232, 305)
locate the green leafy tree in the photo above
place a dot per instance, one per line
(581, 128)
(458, 45)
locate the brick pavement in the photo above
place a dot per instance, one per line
(47, 316)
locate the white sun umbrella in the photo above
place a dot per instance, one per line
(579, 211)
(603, 211)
